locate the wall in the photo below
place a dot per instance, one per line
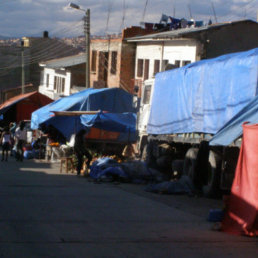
(78, 73)
(105, 45)
(171, 50)
(49, 91)
(127, 66)
(234, 38)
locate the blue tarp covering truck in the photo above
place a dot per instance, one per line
(183, 108)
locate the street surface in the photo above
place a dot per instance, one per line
(47, 214)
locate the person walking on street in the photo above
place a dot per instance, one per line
(21, 138)
(6, 143)
(81, 150)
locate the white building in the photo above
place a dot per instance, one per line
(63, 76)
(176, 48)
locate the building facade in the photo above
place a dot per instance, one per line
(63, 76)
(171, 49)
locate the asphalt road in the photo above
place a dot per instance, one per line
(45, 214)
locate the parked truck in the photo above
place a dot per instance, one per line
(181, 110)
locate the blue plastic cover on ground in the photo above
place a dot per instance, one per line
(203, 96)
(233, 129)
(108, 99)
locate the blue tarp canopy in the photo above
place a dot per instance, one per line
(203, 96)
(113, 100)
(232, 130)
(124, 122)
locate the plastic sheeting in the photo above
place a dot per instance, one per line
(242, 210)
(233, 129)
(125, 122)
(203, 96)
(109, 99)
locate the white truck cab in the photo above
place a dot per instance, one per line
(144, 113)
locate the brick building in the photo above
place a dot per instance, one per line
(113, 59)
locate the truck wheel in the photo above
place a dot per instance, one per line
(190, 162)
(211, 187)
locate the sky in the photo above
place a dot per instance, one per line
(20, 18)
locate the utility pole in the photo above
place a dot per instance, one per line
(22, 66)
(87, 47)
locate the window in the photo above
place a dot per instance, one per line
(140, 68)
(146, 69)
(146, 94)
(113, 62)
(156, 66)
(63, 85)
(55, 82)
(59, 84)
(185, 62)
(177, 63)
(93, 60)
(47, 81)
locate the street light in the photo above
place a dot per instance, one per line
(87, 41)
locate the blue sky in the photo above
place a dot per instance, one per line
(31, 17)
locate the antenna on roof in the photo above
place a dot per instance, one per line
(214, 13)
(190, 11)
(144, 10)
(123, 18)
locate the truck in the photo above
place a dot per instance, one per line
(182, 109)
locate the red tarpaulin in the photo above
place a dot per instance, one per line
(241, 217)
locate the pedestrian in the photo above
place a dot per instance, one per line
(6, 143)
(80, 150)
(21, 138)
(12, 127)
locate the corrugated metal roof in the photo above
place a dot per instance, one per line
(7, 104)
(182, 32)
(65, 61)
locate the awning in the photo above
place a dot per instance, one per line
(113, 100)
(10, 102)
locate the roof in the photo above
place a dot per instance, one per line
(7, 104)
(65, 61)
(113, 100)
(14, 100)
(185, 31)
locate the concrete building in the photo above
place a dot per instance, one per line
(176, 48)
(63, 76)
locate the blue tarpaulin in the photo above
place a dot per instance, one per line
(114, 100)
(124, 123)
(116, 122)
(203, 96)
(233, 129)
